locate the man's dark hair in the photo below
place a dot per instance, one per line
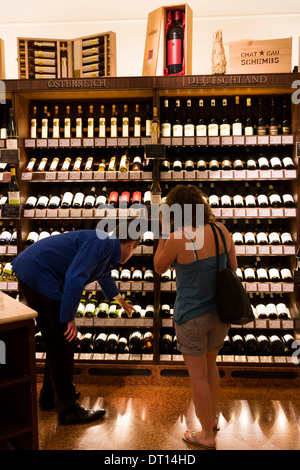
(123, 228)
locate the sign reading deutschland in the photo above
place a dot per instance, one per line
(269, 56)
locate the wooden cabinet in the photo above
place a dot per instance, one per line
(152, 91)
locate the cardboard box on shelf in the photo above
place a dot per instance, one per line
(158, 22)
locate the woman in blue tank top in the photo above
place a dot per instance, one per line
(199, 333)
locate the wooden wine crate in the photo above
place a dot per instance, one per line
(106, 66)
(266, 56)
(53, 62)
(67, 57)
(2, 60)
(156, 39)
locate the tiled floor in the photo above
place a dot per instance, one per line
(155, 417)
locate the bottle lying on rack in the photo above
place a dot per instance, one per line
(258, 345)
(254, 270)
(257, 232)
(8, 233)
(269, 306)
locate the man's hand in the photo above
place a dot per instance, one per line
(127, 307)
(71, 332)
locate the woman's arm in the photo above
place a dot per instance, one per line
(165, 254)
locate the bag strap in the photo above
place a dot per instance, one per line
(217, 245)
(214, 226)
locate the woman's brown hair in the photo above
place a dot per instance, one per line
(192, 195)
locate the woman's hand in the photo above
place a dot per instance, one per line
(126, 306)
(71, 332)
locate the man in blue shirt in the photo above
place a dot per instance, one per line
(52, 274)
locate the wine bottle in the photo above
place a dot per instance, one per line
(13, 188)
(261, 125)
(225, 198)
(113, 310)
(249, 272)
(81, 306)
(11, 132)
(261, 235)
(213, 197)
(45, 124)
(114, 122)
(288, 163)
(90, 122)
(263, 162)
(249, 236)
(251, 347)
(174, 46)
(236, 233)
(285, 273)
(261, 198)
(79, 122)
(135, 342)
(113, 163)
(137, 304)
(56, 124)
(249, 196)
(189, 127)
(125, 122)
(226, 163)
(273, 271)
(177, 125)
(124, 199)
(286, 128)
(42, 164)
(201, 127)
(90, 199)
(237, 128)
(33, 124)
(213, 126)
(264, 346)
(287, 198)
(238, 345)
(137, 122)
(225, 125)
(137, 162)
(100, 343)
(273, 128)
(166, 124)
(274, 238)
(54, 201)
(54, 164)
(249, 128)
(147, 347)
(67, 200)
(124, 162)
(177, 165)
(155, 128)
(123, 347)
(148, 122)
(90, 309)
(274, 197)
(271, 307)
(67, 123)
(113, 198)
(276, 346)
(77, 164)
(275, 162)
(261, 310)
(102, 122)
(261, 271)
(111, 343)
(89, 164)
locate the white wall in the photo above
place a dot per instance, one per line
(131, 35)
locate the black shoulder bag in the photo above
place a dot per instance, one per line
(233, 305)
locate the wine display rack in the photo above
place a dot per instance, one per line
(152, 91)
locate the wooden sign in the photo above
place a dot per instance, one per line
(268, 56)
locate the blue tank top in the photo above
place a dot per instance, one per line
(195, 287)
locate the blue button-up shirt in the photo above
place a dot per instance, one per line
(60, 266)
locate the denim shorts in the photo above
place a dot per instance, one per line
(201, 334)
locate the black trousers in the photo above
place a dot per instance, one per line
(58, 377)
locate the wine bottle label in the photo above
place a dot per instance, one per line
(30, 165)
(56, 128)
(33, 237)
(225, 200)
(213, 130)
(270, 308)
(44, 234)
(125, 127)
(281, 308)
(147, 197)
(40, 62)
(273, 130)
(90, 309)
(137, 126)
(261, 309)
(286, 130)
(44, 128)
(237, 129)
(67, 198)
(249, 200)
(201, 164)
(261, 274)
(249, 130)
(263, 161)
(67, 128)
(77, 164)
(166, 307)
(238, 200)
(104, 307)
(166, 129)
(81, 309)
(112, 309)
(174, 47)
(89, 200)
(102, 123)
(275, 161)
(31, 201)
(261, 238)
(54, 201)
(5, 236)
(78, 199)
(274, 237)
(189, 130)
(213, 163)
(226, 163)
(287, 198)
(249, 237)
(90, 130)
(239, 273)
(3, 133)
(43, 69)
(101, 200)
(262, 200)
(274, 198)
(213, 199)
(189, 163)
(33, 129)
(249, 273)
(261, 130)
(137, 160)
(177, 164)
(225, 129)
(148, 274)
(273, 273)
(286, 273)
(237, 237)
(78, 127)
(89, 164)
(113, 127)
(137, 274)
(150, 308)
(148, 236)
(43, 200)
(125, 273)
(286, 238)
(64, 68)
(177, 130)
(115, 273)
(201, 130)
(47, 54)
